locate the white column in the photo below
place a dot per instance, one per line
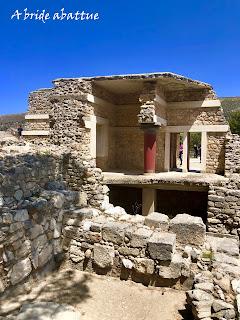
(185, 152)
(204, 151)
(148, 200)
(167, 152)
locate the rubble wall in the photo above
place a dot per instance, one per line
(195, 116)
(216, 153)
(232, 154)
(30, 217)
(38, 103)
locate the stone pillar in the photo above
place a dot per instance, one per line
(185, 164)
(148, 201)
(150, 147)
(167, 152)
(204, 151)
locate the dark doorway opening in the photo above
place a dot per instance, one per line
(173, 202)
(129, 198)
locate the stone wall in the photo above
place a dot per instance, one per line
(232, 154)
(157, 251)
(30, 217)
(38, 103)
(216, 153)
(125, 246)
(224, 207)
(195, 116)
(189, 95)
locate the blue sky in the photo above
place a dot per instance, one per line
(196, 38)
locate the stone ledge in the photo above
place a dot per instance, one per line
(35, 133)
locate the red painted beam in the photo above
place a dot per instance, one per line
(150, 147)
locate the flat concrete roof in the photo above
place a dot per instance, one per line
(130, 83)
(164, 180)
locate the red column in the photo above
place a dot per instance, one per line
(149, 150)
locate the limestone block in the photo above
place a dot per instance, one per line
(76, 254)
(199, 295)
(173, 270)
(103, 255)
(205, 286)
(45, 256)
(202, 309)
(128, 264)
(39, 242)
(157, 220)
(36, 231)
(21, 215)
(161, 246)
(18, 195)
(144, 265)
(227, 245)
(114, 232)
(82, 199)
(221, 305)
(20, 271)
(236, 286)
(188, 229)
(140, 237)
(85, 213)
(58, 200)
(128, 251)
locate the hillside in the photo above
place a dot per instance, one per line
(230, 104)
(11, 121)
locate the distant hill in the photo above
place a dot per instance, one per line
(11, 121)
(230, 104)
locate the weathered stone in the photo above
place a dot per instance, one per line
(205, 286)
(18, 195)
(140, 237)
(76, 254)
(128, 264)
(224, 258)
(103, 256)
(44, 256)
(202, 309)
(58, 200)
(144, 265)
(36, 231)
(173, 270)
(157, 220)
(114, 232)
(21, 215)
(188, 229)
(39, 242)
(236, 285)
(161, 246)
(221, 305)
(226, 245)
(20, 271)
(128, 251)
(200, 295)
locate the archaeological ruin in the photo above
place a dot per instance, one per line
(104, 181)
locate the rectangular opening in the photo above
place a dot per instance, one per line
(173, 202)
(129, 198)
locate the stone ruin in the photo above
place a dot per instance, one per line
(86, 137)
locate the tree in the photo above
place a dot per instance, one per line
(234, 121)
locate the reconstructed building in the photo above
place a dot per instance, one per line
(131, 126)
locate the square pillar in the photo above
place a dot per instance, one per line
(148, 201)
(185, 164)
(204, 143)
(167, 152)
